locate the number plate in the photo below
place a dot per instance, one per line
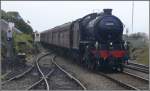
(109, 24)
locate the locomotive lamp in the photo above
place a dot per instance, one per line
(111, 43)
(111, 46)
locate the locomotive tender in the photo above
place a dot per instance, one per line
(95, 40)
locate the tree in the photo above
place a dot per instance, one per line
(139, 35)
(15, 17)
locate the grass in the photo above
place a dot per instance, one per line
(23, 38)
(2, 77)
(142, 55)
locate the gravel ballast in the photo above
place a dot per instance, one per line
(92, 80)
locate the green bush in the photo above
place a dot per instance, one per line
(23, 38)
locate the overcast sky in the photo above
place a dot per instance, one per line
(48, 14)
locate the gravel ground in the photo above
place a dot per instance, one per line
(131, 80)
(7, 67)
(26, 81)
(138, 68)
(22, 83)
(91, 80)
(58, 80)
(16, 71)
(42, 85)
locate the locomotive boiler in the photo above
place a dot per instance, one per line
(95, 40)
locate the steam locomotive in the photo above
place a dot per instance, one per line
(95, 40)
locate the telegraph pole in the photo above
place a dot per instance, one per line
(132, 14)
(127, 32)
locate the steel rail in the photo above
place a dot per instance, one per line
(36, 83)
(68, 74)
(39, 69)
(44, 77)
(139, 65)
(138, 69)
(18, 76)
(136, 76)
(21, 74)
(128, 86)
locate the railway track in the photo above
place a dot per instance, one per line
(38, 82)
(134, 81)
(138, 67)
(47, 77)
(136, 76)
(69, 75)
(128, 80)
(44, 77)
(18, 75)
(21, 76)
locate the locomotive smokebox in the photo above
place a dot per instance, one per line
(108, 11)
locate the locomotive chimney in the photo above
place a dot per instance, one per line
(107, 11)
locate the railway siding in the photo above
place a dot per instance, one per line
(55, 78)
(56, 70)
(131, 81)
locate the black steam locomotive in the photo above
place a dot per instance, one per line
(95, 40)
